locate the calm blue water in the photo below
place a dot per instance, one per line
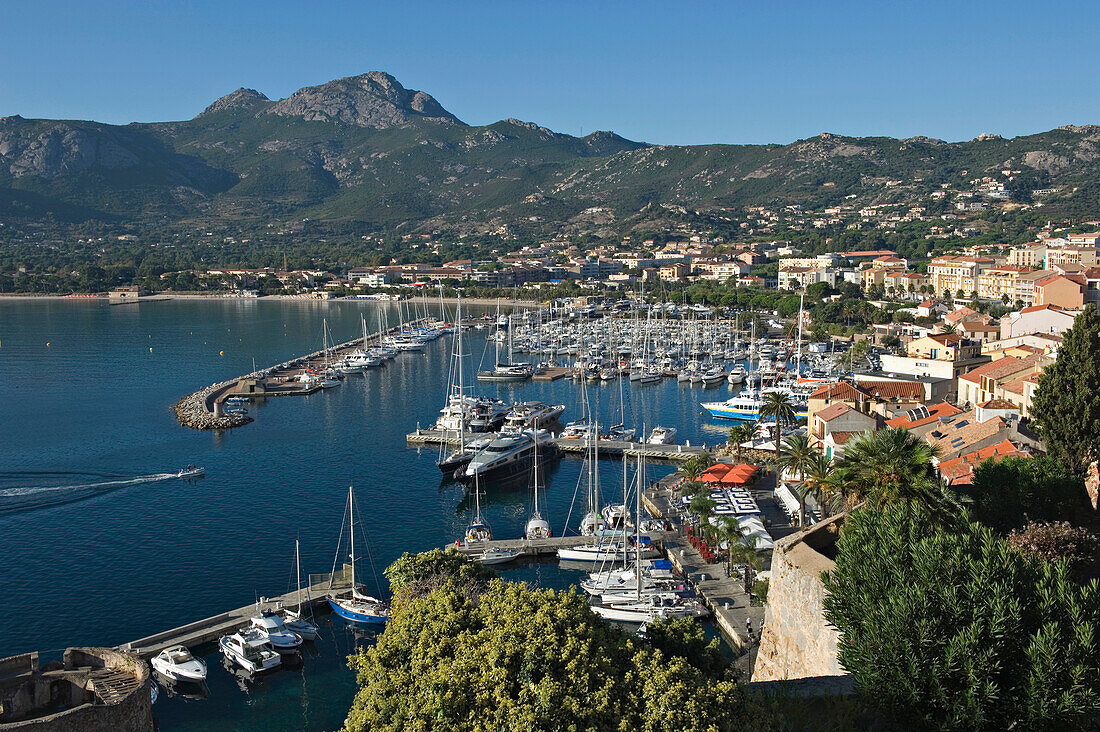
(86, 391)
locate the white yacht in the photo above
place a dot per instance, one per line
(250, 650)
(281, 638)
(178, 664)
(528, 414)
(650, 608)
(662, 436)
(495, 556)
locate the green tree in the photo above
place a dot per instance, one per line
(1007, 494)
(415, 575)
(778, 407)
(794, 456)
(1066, 406)
(513, 658)
(950, 628)
(702, 505)
(739, 433)
(889, 466)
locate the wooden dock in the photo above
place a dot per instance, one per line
(552, 374)
(608, 449)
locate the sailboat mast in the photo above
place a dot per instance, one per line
(351, 527)
(298, 564)
(798, 358)
(638, 522)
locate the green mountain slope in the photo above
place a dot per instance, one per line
(371, 154)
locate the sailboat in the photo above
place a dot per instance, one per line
(295, 619)
(358, 608)
(537, 527)
(645, 607)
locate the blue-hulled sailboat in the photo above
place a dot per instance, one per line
(357, 607)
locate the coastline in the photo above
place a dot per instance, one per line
(162, 297)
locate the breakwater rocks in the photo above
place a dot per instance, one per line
(195, 410)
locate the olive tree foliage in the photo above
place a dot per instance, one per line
(511, 658)
(948, 627)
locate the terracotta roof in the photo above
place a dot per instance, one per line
(1000, 368)
(1037, 308)
(840, 438)
(893, 389)
(956, 315)
(943, 409)
(960, 470)
(833, 411)
(958, 436)
(841, 390)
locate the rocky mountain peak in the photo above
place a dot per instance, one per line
(375, 99)
(240, 99)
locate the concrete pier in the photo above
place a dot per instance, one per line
(211, 629)
(607, 448)
(205, 409)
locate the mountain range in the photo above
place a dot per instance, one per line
(368, 154)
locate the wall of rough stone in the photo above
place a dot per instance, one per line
(797, 642)
(132, 714)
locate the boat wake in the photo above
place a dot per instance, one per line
(25, 498)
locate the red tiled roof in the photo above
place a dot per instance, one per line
(840, 390)
(893, 389)
(841, 438)
(1048, 306)
(960, 470)
(833, 411)
(1000, 368)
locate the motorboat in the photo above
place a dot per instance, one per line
(508, 456)
(178, 664)
(278, 635)
(249, 649)
(191, 471)
(576, 430)
(605, 551)
(736, 375)
(487, 415)
(495, 556)
(531, 414)
(650, 608)
(662, 436)
(507, 372)
(746, 407)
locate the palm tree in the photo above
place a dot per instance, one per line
(817, 475)
(794, 457)
(888, 466)
(948, 328)
(777, 405)
(729, 530)
(703, 506)
(740, 432)
(743, 551)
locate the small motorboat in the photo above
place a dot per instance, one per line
(178, 664)
(662, 436)
(191, 471)
(249, 649)
(495, 556)
(272, 627)
(299, 625)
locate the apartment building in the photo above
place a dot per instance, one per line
(954, 273)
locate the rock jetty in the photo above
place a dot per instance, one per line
(195, 410)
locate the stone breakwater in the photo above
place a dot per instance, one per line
(198, 410)
(194, 410)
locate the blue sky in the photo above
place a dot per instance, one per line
(682, 72)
